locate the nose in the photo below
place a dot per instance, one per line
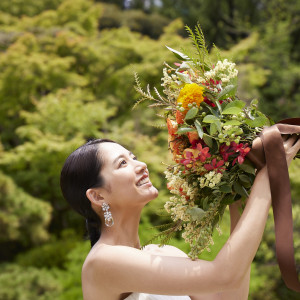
(141, 166)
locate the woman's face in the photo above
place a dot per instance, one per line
(126, 179)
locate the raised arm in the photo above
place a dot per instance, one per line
(123, 269)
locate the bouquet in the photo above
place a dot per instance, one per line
(210, 132)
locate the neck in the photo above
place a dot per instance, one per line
(124, 232)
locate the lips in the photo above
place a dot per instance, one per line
(143, 180)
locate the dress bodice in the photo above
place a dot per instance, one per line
(142, 296)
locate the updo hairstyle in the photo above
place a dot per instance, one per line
(81, 171)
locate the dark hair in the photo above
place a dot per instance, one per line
(80, 172)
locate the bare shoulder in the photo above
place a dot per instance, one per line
(100, 268)
(102, 256)
(165, 250)
(107, 259)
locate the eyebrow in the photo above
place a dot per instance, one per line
(121, 155)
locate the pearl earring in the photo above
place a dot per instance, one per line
(109, 221)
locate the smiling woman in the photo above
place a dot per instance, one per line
(109, 186)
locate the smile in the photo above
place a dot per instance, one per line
(143, 181)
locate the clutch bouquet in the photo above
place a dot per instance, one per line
(210, 133)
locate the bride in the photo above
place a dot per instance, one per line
(109, 186)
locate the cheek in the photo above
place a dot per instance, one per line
(122, 181)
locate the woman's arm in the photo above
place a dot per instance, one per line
(243, 290)
(123, 269)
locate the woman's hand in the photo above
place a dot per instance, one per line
(291, 144)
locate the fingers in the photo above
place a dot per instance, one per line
(296, 146)
(290, 141)
(291, 146)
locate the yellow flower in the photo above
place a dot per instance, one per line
(191, 92)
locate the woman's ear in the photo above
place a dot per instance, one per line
(95, 197)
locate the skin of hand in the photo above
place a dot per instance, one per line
(291, 144)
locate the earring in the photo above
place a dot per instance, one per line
(109, 221)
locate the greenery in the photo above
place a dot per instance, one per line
(65, 79)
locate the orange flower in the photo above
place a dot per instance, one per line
(191, 93)
(179, 117)
(176, 145)
(172, 127)
(193, 136)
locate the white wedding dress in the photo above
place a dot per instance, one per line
(142, 296)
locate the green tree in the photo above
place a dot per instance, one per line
(64, 81)
(18, 208)
(19, 8)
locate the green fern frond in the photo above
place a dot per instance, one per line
(197, 46)
(162, 213)
(201, 40)
(137, 80)
(156, 105)
(166, 235)
(163, 99)
(218, 52)
(167, 238)
(159, 126)
(160, 116)
(144, 95)
(198, 41)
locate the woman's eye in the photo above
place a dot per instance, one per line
(123, 162)
(135, 158)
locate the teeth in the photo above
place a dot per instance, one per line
(143, 181)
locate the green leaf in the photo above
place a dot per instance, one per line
(232, 122)
(247, 166)
(191, 113)
(238, 188)
(213, 128)
(232, 111)
(183, 130)
(205, 203)
(215, 147)
(244, 178)
(208, 140)
(257, 122)
(213, 111)
(199, 128)
(178, 54)
(210, 119)
(228, 199)
(225, 188)
(196, 213)
(234, 107)
(219, 106)
(254, 102)
(228, 91)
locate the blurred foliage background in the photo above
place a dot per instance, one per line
(66, 76)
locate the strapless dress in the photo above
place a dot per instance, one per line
(142, 296)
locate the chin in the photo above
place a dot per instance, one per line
(153, 193)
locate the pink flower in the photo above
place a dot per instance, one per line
(214, 165)
(191, 155)
(203, 153)
(242, 149)
(223, 151)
